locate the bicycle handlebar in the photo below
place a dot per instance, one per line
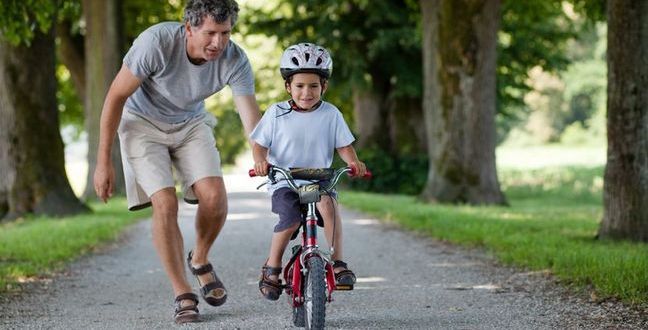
(288, 174)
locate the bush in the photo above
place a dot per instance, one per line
(230, 136)
(404, 174)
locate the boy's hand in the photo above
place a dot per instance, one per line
(261, 168)
(359, 167)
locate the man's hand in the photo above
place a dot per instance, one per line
(104, 180)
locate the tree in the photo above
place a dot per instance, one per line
(93, 56)
(102, 61)
(32, 178)
(459, 53)
(377, 61)
(625, 195)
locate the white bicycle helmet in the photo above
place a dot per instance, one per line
(306, 57)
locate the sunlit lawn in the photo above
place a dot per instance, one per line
(551, 224)
(38, 246)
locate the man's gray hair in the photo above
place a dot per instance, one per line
(218, 10)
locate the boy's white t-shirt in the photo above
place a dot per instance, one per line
(301, 139)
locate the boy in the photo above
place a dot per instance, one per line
(302, 132)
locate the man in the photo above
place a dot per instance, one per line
(156, 102)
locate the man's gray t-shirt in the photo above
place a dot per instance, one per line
(173, 89)
(301, 139)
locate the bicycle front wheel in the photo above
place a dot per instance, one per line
(315, 294)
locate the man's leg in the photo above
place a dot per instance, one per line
(167, 238)
(210, 218)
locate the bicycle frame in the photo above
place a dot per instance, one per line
(294, 270)
(308, 249)
(309, 268)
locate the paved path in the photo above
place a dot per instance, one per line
(405, 282)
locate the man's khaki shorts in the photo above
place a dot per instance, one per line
(149, 148)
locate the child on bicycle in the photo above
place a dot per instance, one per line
(302, 132)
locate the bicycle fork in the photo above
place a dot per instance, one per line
(308, 249)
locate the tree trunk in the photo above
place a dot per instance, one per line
(370, 115)
(407, 128)
(71, 54)
(103, 60)
(459, 48)
(32, 171)
(625, 195)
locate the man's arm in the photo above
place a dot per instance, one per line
(124, 84)
(248, 110)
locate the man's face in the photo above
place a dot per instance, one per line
(207, 41)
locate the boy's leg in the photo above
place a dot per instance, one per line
(344, 277)
(278, 245)
(331, 216)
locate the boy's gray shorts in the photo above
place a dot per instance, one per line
(149, 148)
(285, 203)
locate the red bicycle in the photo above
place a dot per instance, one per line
(309, 276)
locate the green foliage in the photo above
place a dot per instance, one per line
(229, 134)
(592, 10)
(19, 19)
(550, 225)
(38, 246)
(569, 106)
(374, 44)
(69, 105)
(403, 174)
(532, 33)
(139, 15)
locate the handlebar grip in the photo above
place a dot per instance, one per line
(252, 172)
(367, 175)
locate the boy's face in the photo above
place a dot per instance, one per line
(207, 41)
(306, 89)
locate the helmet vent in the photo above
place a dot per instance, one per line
(307, 56)
(319, 61)
(294, 60)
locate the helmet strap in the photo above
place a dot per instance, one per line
(294, 106)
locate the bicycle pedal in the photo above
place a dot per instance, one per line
(341, 287)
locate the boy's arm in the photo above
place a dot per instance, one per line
(350, 157)
(260, 155)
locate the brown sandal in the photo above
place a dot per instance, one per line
(213, 293)
(272, 288)
(188, 313)
(345, 279)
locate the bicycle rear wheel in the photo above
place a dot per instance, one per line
(315, 294)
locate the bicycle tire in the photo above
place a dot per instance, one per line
(315, 294)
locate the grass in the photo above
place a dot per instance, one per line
(38, 246)
(551, 224)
